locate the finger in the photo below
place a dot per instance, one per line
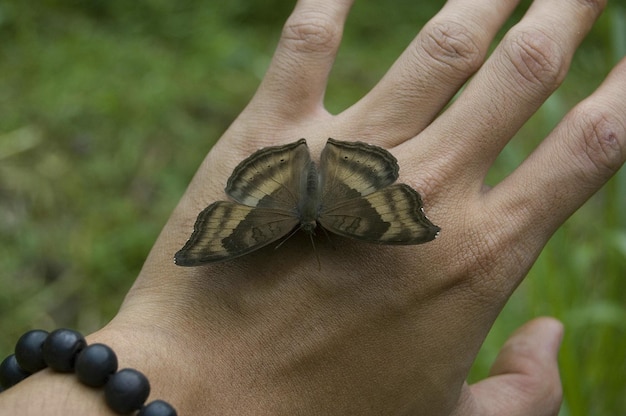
(296, 79)
(524, 379)
(450, 48)
(576, 159)
(523, 71)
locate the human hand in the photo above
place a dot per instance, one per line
(379, 330)
(422, 311)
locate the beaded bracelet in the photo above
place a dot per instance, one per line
(65, 350)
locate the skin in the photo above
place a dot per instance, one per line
(377, 330)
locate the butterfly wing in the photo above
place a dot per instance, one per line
(272, 177)
(225, 230)
(267, 187)
(357, 200)
(351, 169)
(392, 215)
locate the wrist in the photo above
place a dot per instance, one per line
(64, 373)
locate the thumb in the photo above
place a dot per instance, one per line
(524, 380)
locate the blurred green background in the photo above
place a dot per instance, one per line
(107, 108)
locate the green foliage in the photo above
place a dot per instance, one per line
(109, 106)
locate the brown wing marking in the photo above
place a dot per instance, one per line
(225, 230)
(351, 169)
(392, 215)
(271, 177)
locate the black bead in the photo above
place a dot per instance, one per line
(95, 364)
(126, 390)
(11, 373)
(157, 408)
(29, 352)
(61, 348)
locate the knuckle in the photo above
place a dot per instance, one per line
(476, 266)
(595, 5)
(451, 45)
(489, 251)
(477, 272)
(538, 63)
(600, 148)
(311, 32)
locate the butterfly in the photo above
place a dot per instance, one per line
(279, 190)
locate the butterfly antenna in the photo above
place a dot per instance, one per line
(317, 255)
(288, 237)
(330, 240)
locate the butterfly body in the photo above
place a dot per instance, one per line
(279, 189)
(309, 206)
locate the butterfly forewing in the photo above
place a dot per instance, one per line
(271, 177)
(349, 169)
(226, 230)
(392, 215)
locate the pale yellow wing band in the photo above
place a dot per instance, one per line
(392, 215)
(271, 177)
(225, 230)
(349, 169)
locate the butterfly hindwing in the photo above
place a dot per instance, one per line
(392, 215)
(225, 230)
(271, 177)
